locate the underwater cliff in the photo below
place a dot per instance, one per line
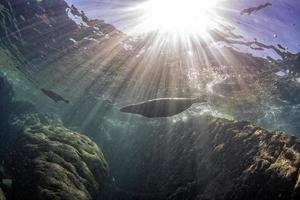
(65, 75)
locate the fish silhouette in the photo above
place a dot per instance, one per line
(54, 96)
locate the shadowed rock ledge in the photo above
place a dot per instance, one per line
(210, 158)
(52, 162)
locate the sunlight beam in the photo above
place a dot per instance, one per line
(180, 17)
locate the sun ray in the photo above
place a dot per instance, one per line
(177, 17)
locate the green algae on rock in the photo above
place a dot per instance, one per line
(52, 162)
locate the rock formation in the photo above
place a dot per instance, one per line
(9, 105)
(52, 162)
(2, 197)
(209, 158)
(45, 160)
(6, 99)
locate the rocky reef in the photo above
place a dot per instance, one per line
(219, 159)
(52, 162)
(43, 159)
(210, 158)
(9, 107)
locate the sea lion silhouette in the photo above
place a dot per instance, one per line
(54, 96)
(163, 107)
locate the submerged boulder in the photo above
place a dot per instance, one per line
(6, 99)
(2, 197)
(220, 159)
(207, 158)
(9, 107)
(52, 162)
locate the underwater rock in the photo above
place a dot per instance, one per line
(52, 162)
(209, 158)
(9, 105)
(6, 99)
(2, 197)
(22, 107)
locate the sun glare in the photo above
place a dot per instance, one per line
(178, 16)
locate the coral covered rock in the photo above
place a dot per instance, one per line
(52, 162)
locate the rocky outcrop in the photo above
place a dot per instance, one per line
(212, 158)
(2, 197)
(52, 162)
(45, 160)
(208, 158)
(9, 107)
(6, 99)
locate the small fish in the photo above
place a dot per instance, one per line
(249, 11)
(54, 96)
(163, 107)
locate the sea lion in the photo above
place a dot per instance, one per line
(163, 107)
(54, 96)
